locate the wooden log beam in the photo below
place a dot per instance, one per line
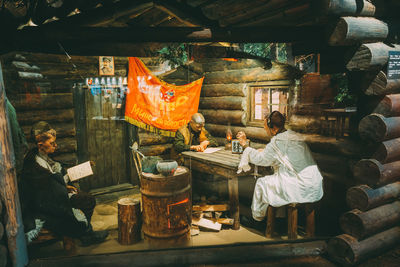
(231, 89)
(373, 173)
(251, 132)
(346, 249)
(304, 123)
(223, 102)
(70, 159)
(146, 138)
(68, 34)
(353, 30)
(371, 56)
(363, 224)
(30, 117)
(62, 129)
(388, 105)
(222, 65)
(388, 151)
(363, 197)
(377, 128)
(381, 85)
(348, 7)
(42, 101)
(234, 117)
(156, 150)
(8, 188)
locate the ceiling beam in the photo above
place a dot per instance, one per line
(281, 34)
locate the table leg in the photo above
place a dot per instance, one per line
(233, 187)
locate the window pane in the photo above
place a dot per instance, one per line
(258, 112)
(275, 96)
(258, 96)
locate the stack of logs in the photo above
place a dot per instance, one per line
(3, 249)
(371, 227)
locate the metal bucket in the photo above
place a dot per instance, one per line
(167, 205)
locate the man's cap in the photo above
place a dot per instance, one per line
(198, 118)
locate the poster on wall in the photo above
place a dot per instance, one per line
(393, 68)
(106, 66)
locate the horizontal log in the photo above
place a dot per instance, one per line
(377, 128)
(23, 75)
(68, 159)
(222, 207)
(363, 224)
(42, 101)
(388, 105)
(3, 256)
(223, 102)
(373, 173)
(317, 143)
(30, 117)
(234, 117)
(231, 89)
(223, 65)
(346, 249)
(40, 58)
(388, 151)
(147, 138)
(352, 30)
(329, 163)
(278, 71)
(371, 56)
(380, 85)
(23, 66)
(363, 197)
(156, 150)
(62, 129)
(348, 7)
(305, 124)
(66, 145)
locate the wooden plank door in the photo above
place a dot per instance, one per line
(106, 137)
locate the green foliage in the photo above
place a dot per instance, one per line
(175, 54)
(343, 97)
(274, 51)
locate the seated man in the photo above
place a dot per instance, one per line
(296, 178)
(48, 197)
(192, 136)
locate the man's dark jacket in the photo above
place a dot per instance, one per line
(44, 195)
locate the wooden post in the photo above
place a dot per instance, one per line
(292, 221)
(270, 221)
(346, 249)
(363, 197)
(8, 188)
(129, 221)
(233, 187)
(362, 224)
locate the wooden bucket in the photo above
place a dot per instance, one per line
(167, 205)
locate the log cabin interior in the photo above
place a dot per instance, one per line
(337, 84)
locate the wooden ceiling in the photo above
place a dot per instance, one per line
(112, 26)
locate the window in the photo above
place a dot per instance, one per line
(265, 99)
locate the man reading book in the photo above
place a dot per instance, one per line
(48, 197)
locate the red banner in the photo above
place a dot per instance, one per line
(157, 106)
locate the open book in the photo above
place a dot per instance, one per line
(80, 171)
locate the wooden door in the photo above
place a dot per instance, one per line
(106, 137)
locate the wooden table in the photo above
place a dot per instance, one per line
(223, 163)
(341, 114)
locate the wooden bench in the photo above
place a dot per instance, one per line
(46, 236)
(292, 220)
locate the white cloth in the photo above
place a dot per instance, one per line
(296, 178)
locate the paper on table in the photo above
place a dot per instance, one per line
(211, 149)
(80, 171)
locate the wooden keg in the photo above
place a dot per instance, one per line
(129, 221)
(167, 205)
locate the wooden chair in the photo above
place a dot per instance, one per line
(46, 236)
(292, 220)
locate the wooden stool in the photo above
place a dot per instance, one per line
(292, 220)
(46, 235)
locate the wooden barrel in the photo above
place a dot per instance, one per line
(129, 221)
(167, 205)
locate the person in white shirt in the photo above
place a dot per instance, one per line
(296, 177)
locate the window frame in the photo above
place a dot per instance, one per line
(286, 84)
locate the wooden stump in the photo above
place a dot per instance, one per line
(346, 249)
(129, 221)
(363, 197)
(362, 224)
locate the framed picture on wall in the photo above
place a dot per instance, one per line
(106, 66)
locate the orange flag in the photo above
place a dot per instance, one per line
(157, 106)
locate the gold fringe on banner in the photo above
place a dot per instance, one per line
(149, 127)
